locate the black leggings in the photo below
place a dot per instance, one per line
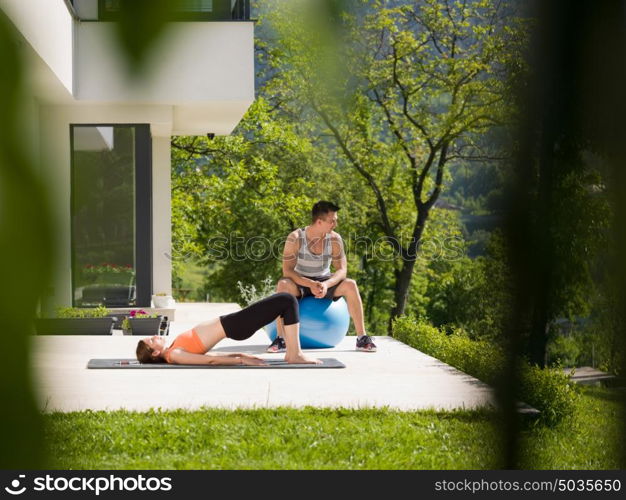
(243, 324)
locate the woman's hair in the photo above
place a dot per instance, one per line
(144, 354)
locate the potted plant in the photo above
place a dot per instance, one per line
(139, 322)
(163, 300)
(77, 321)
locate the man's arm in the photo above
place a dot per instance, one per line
(339, 262)
(290, 258)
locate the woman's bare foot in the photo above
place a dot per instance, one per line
(302, 359)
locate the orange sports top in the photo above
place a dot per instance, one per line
(187, 341)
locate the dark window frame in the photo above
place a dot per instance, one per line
(222, 11)
(143, 208)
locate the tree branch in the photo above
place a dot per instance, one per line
(418, 188)
(382, 206)
(478, 157)
(405, 109)
(192, 150)
(395, 130)
(439, 176)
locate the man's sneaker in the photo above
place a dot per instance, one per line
(364, 343)
(278, 345)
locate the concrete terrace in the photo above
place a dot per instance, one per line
(397, 376)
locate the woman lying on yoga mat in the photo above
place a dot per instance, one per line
(189, 347)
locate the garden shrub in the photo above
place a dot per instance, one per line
(547, 390)
(565, 350)
(550, 391)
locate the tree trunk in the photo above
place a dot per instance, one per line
(405, 274)
(401, 291)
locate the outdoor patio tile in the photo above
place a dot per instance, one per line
(397, 376)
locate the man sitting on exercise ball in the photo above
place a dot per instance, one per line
(307, 257)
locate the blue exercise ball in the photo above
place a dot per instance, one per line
(323, 322)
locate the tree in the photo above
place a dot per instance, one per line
(417, 83)
(562, 219)
(235, 198)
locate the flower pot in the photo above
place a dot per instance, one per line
(163, 301)
(74, 326)
(145, 326)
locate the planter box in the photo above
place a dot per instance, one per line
(118, 319)
(145, 326)
(74, 326)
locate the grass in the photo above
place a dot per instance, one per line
(590, 440)
(324, 439)
(192, 276)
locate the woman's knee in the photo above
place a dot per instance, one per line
(289, 306)
(287, 299)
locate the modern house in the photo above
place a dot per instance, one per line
(101, 137)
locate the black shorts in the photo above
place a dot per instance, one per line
(305, 291)
(243, 324)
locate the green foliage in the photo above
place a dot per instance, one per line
(476, 185)
(250, 294)
(27, 251)
(406, 91)
(455, 297)
(591, 438)
(235, 199)
(470, 294)
(564, 350)
(547, 390)
(78, 312)
(139, 25)
(603, 333)
(358, 111)
(550, 391)
(588, 343)
(27, 246)
(579, 233)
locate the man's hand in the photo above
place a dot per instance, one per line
(320, 290)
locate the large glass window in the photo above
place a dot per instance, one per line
(104, 215)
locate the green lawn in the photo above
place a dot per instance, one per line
(589, 441)
(323, 439)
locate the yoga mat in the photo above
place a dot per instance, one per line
(271, 363)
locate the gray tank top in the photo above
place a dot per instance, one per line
(310, 264)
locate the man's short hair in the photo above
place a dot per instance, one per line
(323, 208)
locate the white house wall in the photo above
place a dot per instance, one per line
(191, 62)
(199, 80)
(219, 118)
(161, 215)
(49, 28)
